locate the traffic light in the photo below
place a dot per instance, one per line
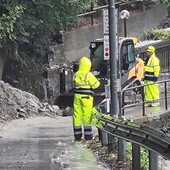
(106, 47)
(106, 52)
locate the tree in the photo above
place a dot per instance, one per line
(7, 20)
(26, 27)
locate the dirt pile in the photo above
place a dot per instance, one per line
(15, 103)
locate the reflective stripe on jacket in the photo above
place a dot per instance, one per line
(152, 68)
(84, 82)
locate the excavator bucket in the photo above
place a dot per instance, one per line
(66, 99)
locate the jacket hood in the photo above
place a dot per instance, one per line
(85, 64)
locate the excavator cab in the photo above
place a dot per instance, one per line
(99, 65)
(130, 69)
(127, 55)
(127, 61)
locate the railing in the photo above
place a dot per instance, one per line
(142, 102)
(95, 13)
(154, 139)
(138, 134)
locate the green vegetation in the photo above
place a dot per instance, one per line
(144, 156)
(27, 28)
(167, 2)
(143, 153)
(157, 34)
(160, 33)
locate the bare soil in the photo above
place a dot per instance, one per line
(109, 158)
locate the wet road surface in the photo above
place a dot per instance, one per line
(137, 111)
(44, 143)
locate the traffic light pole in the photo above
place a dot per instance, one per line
(115, 84)
(114, 108)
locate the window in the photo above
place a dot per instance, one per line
(99, 66)
(127, 55)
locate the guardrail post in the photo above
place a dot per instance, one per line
(107, 139)
(135, 156)
(110, 142)
(153, 160)
(99, 134)
(104, 137)
(121, 149)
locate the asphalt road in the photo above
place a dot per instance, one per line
(43, 143)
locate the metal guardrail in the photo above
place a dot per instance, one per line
(156, 140)
(153, 139)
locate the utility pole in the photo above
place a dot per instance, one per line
(114, 108)
(114, 104)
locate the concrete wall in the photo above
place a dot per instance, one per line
(139, 23)
(76, 43)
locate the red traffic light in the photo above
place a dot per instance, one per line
(106, 54)
(106, 49)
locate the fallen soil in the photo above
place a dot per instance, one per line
(15, 103)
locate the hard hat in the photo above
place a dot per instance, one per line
(150, 49)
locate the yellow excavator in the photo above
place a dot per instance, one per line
(131, 69)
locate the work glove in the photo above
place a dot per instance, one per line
(155, 79)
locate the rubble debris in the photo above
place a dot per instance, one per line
(15, 103)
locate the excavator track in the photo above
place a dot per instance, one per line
(132, 96)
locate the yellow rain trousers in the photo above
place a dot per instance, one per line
(151, 92)
(82, 115)
(152, 70)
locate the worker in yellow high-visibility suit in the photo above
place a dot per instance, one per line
(152, 70)
(84, 82)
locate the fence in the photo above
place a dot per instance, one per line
(94, 15)
(163, 53)
(134, 133)
(164, 86)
